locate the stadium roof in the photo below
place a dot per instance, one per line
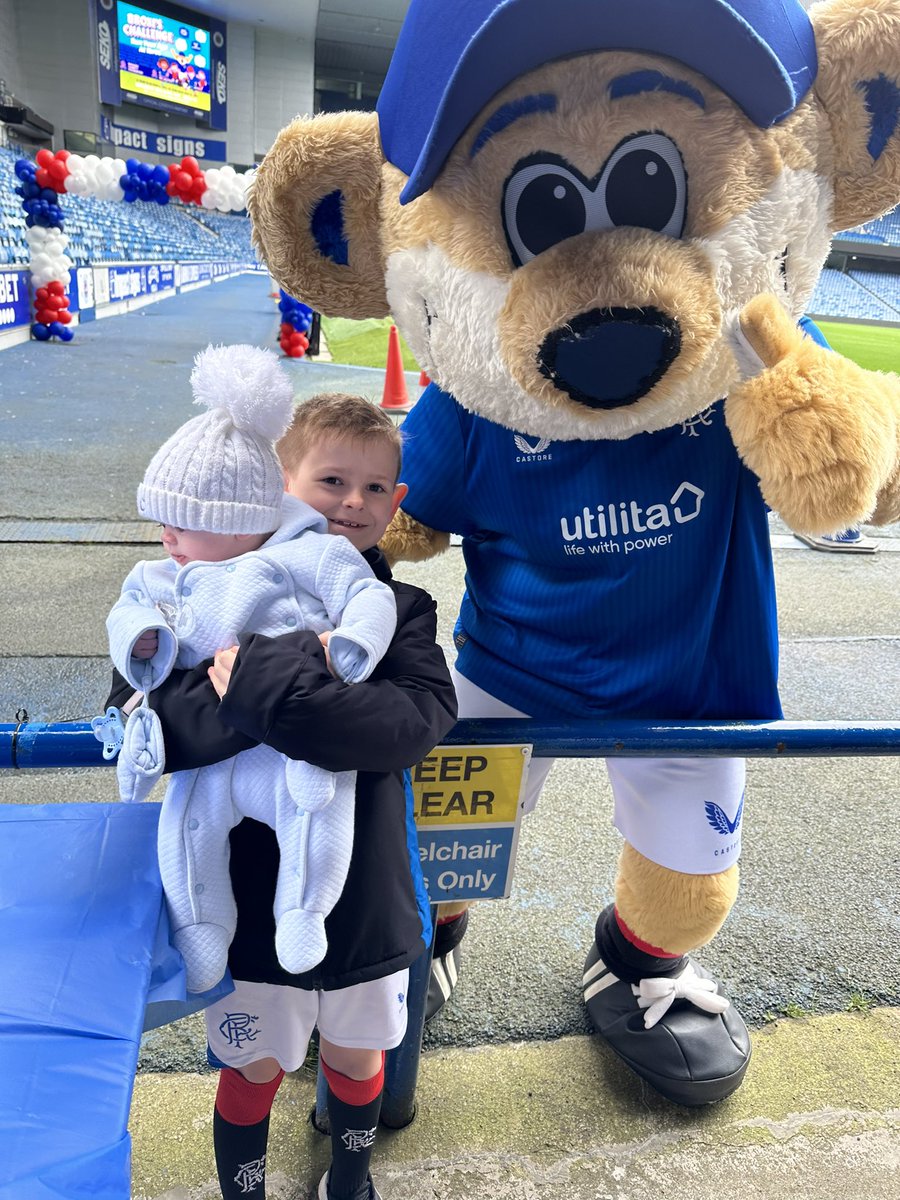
(351, 35)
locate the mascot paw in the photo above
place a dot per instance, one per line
(407, 540)
(818, 431)
(679, 1033)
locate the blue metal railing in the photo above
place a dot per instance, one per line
(30, 744)
(72, 744)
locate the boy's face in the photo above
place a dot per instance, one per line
(352, 483)
(193, 545)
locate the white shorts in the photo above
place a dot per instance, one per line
(267, 1020)
(682, 813)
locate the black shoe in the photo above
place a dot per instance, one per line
(445, 964)
(678, 1032)
(442, 981)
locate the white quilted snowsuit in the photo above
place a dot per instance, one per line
(301, 578)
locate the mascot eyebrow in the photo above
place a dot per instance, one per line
(625, 85)
(653, 81)
(507, 113)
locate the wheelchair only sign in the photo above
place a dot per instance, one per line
(468, 807)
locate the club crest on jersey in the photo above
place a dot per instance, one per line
(691, 425)
(529, 452)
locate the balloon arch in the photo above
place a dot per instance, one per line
(43, 182)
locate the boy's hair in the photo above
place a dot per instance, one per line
(340, 416)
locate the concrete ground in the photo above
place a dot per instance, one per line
(516, 1100)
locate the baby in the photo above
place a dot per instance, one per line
(243, 558)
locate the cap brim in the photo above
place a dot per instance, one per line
(766, 66)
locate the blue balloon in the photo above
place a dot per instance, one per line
(130, 197)
(49, 195)
(131, 165)
(164, 198)
(24, 169)
(65, 333)
(161, 174)
(41, 332)
(145, 171)
(55, 328)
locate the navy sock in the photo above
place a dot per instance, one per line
(353, 1110)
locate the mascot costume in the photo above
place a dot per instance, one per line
(598, 224)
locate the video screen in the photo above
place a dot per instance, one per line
(163, 58)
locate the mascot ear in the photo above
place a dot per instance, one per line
(858, 85)
(315, 210)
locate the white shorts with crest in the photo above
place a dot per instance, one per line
(267, 1020)
(681, 813)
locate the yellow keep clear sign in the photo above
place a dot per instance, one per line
(468, 811)
(469, 785)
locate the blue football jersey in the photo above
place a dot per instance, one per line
(603, 578)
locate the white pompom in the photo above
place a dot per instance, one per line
(249, 383)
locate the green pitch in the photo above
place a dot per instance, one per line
(872, 346)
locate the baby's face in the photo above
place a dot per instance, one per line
(193, 545)
(352, 484)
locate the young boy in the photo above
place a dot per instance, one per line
(243, 557)
(342, 455)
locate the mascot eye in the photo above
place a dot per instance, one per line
(644, 184)
(543, 204)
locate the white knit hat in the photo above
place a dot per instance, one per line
(219, 472)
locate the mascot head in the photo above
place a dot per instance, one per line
(566, 206)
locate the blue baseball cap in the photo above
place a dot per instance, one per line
(452, 56)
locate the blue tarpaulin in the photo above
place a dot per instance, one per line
(83, 936)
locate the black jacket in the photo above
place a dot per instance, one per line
(282, 693)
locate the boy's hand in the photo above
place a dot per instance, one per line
(146, 645)
(323, 638)
(220, 672)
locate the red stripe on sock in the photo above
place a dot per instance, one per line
(240, 1102)
(354, 1091)
(447, 920)
(640, 943)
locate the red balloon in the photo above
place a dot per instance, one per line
(183, 181)
(42, 176)
(64, 302)
(56, 287)
(171, 188)
(190, 164)
(57, 169)
(45, 316)
(41, 295)
(64, 316)
(44, 157)
(63, 154)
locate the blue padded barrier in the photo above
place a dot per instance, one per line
(83, 944)
(80, 901)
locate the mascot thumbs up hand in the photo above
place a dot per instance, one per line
(598, 225)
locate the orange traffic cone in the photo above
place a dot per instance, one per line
(395, 397)
(423, 379)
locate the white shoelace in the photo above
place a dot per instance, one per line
(657, 995)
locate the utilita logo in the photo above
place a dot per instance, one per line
(605, 526)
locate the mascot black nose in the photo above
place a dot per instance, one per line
(610, 357)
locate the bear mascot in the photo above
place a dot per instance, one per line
(598, 223)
